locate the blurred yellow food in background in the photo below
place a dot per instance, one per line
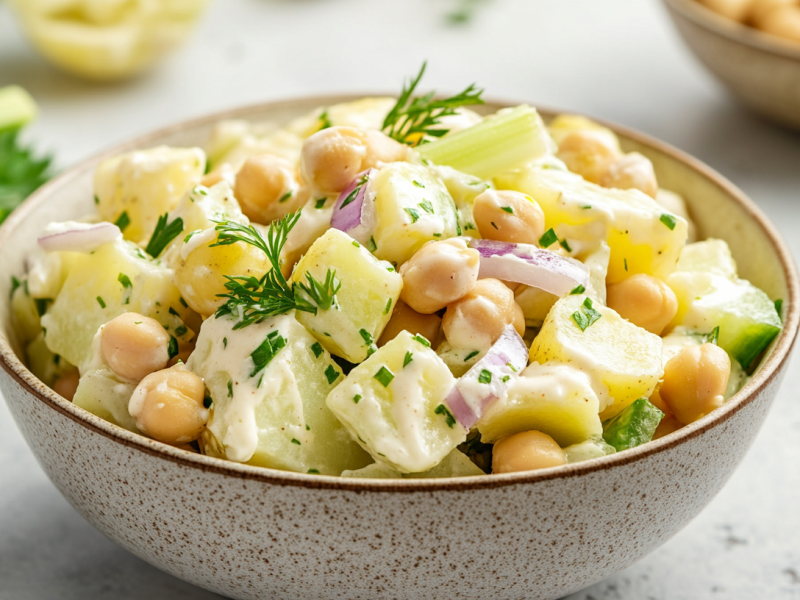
(107, 39)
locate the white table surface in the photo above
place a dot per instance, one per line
(615, 59)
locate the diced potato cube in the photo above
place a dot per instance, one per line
(350, 326)
(135, 189)
(393, 403)
(25, 314)
(643, 237)
(413, 207)
(458, 360)
(49, 272)
(104, 394)
(117, 278)
(625, 358)
(708, 256)
(555, 399)
(48, 367)
(268, 383)
(455, 464)
(464, 188)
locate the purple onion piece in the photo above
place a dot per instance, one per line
(353, 212)
(77, 237)
(524, 263)
(488, 379)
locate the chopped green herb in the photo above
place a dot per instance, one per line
(506, 378)
(507, 209)
(285, 197)
(366, 336)
(565, 245)
(320, 204)
(413, 214)
(384, 376)
(390, 269)
(101, 302)
(331, 374)
(587, 316)
(354, 194)
(172, 347)
(779, 308)
(668, 220)
(472, 354)
(409, 357)
(372, 246)
(230, 388)
(493, 225)
(207, 401)
(127, 286)
(426, 206)
(266, 351)
(437, 235)
(96, 199)
(548, 239)
(41, 305)
(422, 340)
(181, 330)
(316, 348)
(314, 471)
(123, 221)
(325, 122)
(417, 183)
(137, 322)
(412, 120)
(183, 302)
(713, 337)
(448, 416)
(163, 234)
(225, 343)
(295, 441)
(578, 290)
(173, 312)
(388, 306)
(625, 262)
(189, 236)
(586, 207)
(14, 285)
(356, 398)
(56, 359)
(485, 376)
(356, 244)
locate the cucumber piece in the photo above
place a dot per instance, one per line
(632, 427)
(708, 256)
(594, 448)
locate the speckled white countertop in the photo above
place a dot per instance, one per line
(616, 59)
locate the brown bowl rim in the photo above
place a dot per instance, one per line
(738, 32)
(773, 365)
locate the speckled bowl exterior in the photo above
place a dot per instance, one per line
(248, 532)
(761, 70)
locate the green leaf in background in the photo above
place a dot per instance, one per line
(21, 172)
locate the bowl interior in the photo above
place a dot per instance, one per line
(719, 209)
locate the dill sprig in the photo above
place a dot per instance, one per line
(413, 120)
(251, 299)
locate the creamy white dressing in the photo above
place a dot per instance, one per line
(199, 238)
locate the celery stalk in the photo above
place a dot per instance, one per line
(501, 142)
(17, 108)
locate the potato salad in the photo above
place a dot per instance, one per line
(392, 288)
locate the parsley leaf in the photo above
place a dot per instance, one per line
(264, 354)
(586, 316)
(448, 416)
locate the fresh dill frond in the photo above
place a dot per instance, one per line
(250, 299)
(163, 234)
(322, 294)
(413, 120)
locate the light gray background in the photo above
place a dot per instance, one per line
(615, 59)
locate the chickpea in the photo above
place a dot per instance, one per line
(202, 275)
(168, 406)
(695, 381)
(631, 172)
(439, 274)
(588, 153)
(224, 172)
(479, 318)
(405, 318)
(645, 301)
(134, 346)
(67, 384)
(508, 216)
(733, 9)
(331, 158)
(783, 22)
(760, 9)
(266, 188)
(526, 451)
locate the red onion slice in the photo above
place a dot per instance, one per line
(354, 209)
(488, 379)
(524, 263)
(71, 236)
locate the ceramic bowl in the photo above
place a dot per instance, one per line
(249, 532)
(761, 70)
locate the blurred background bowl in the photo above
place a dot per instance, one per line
(761, 70)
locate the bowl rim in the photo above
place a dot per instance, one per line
(771, 368)
(706, 18)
